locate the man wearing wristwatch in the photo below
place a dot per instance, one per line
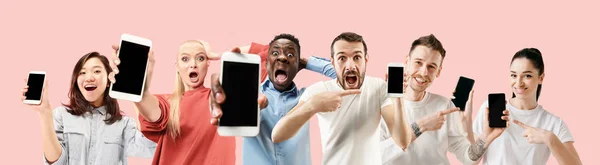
(437, 126)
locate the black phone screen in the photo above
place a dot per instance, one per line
(497, 104)
(395, 79)
(35, 82)
(461, 93)
(132, 68)
(240, 84)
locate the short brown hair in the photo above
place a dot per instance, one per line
(431, 42)
(350, 37)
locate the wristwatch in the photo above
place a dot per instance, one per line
(416, 129)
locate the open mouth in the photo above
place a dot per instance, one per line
(90, 87)
(280, 76)
(194, 77)
(351, 79)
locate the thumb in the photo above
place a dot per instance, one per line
(236, 50)
(448, 111)
(349, 92)
(471, 95)
(386, 77)
(263, 101)
(45, 90)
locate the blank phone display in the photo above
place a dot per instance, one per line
(395, 79)
(240, 84)
(497, 104)
(35, 83)
(461, 95)
(132, 68)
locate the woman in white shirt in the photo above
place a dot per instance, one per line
(90, 129)
(536, 133)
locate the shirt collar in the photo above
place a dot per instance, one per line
(269, 85)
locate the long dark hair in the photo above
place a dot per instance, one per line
(535, 57)
(78, 105)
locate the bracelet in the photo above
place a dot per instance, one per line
(416, 129)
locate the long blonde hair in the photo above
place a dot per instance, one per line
(173, 125)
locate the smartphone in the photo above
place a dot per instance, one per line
(395, 80)
(496, 104)
(130, 82)
(35, 82)
(240, 79)
(461, 93)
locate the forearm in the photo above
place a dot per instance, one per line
(477, 149)
(291, 123)
(469, 130)
(148, 107)
(320, 65)
(560, 152)
(401, 132)
(52, 148)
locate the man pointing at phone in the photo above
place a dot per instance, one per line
(349, 108)
(437, 126)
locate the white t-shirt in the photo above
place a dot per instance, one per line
(431, 147)
(511, 147)
(350, 134)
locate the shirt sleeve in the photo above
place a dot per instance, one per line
(389, 150)
(321, 65)
(383, 95)
(262, 51)
(310, 91)
(154, 130)
(564, 134)
(136, 144)
(59, 129)
(458, 143)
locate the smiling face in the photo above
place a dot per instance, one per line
(423, 66)
(192, 64)
(282, 63)
(93, 81)
(350, 63)
(525, 78)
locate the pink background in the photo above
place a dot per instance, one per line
(480, 38)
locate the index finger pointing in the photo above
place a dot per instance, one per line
(448, 111)
(521, 124)
(349, 92)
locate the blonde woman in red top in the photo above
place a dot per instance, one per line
(180, 122)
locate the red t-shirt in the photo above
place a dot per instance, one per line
(199, 143)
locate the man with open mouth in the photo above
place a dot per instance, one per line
(349, 108)
(282, 60)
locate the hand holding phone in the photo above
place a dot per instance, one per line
(497, 105)
(496, 117)
(395, 80)
(132, 60)
(461, 93)
(239, 81)
(35, 93)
